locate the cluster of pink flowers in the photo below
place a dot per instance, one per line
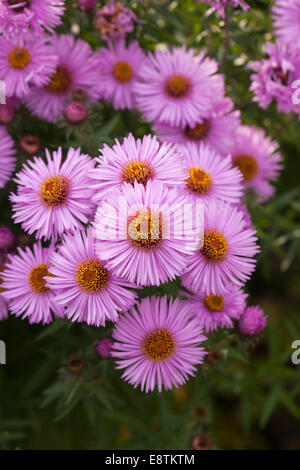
(145, 211)
(277, 76)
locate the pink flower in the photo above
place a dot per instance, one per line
(7, 239)
(7, 156)
(114, 20)
(253, 321)
(286, 16)
(53, 197)
(158, 344)
(104, 347)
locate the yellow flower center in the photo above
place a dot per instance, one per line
(214, 302)
(145, 229)
(92, 275)
(137, 171)
(36, 278)
(198, 132)
(199, 181)
(55, 190)
(19, 58)
(247, 165)
(178, 86)
(159, 345)
(122, 71)
(60, 81)
(215, 246)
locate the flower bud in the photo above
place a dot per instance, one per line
(75, 112)
(253, 321)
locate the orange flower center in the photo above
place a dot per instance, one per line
(122, 71)
(55, 190)
(145, 229)
(214, 302)
(19, 57)
(215, 246)
(60, 81)
(92, 276)
(198, 132)
(36, 278)
(137, 171)
(178, 86)
(199, 181)
(159, 345)
(247, 165)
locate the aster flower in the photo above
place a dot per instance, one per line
(21, 16)
(25, 287)
(53, 197)
(227, 252)
(158, 345)
(209, 176)
(177, 87)
(114, 20)
(24, 63)
(135, 160)
(256, 156)
(274, 76)
(217, 128)
(104, 347)
(253, 321)
(286, 16)
(217, 311)
(75, 71)
(92, 292)
(119, 67)
(146, 232)
(3, 303)
(7, 158)
(221, 5)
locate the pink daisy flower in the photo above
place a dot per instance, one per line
(158, 345)
(286, 16)
(135, 160)
(21, 16)
(221, 5)
(208, 176)
(217, 311)
(273, 77)
(146, 232)
(256, 156)
(226, 254)
(119, 67)
(25, 287)
(177, 87)
(82, 282)
(217, 128)
(24, 63)
(3, 303)
(53, 197)
(75, 72)
(7, 156)
(253, 321)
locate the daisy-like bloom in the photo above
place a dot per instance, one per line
(286, 16)
(136, 160)
(3, 303)
(24, 63)
(82, 282)
(114, 20)
(25, 287)
(7, 156)
(256, 156)
(21, 16)
(145, 232)
(217, 128)
(253, 321)
(227, 252)
(177, 87)
(221, 5)
(119, 67)
(53, 197)
(158, 344)
(217, 311)
(208, 176)
(75, 71)
(273, 77)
